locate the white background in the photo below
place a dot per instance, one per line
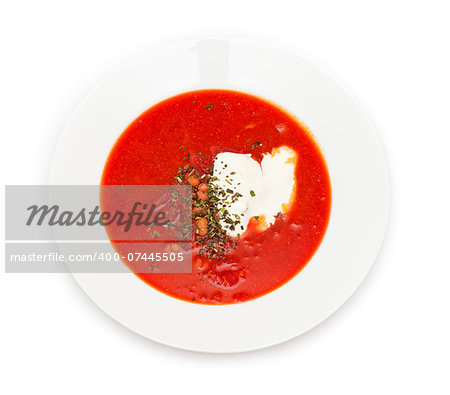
(392, 337)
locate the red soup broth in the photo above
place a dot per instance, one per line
(152, 149)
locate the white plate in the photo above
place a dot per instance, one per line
(356, 162)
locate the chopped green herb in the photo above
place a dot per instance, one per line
(256, 144)
(216, 242)
(209, 106)
(252, 193)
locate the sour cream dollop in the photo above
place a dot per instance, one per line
(267, 189)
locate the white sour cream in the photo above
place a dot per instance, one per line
(266, 189)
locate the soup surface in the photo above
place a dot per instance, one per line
(178, 141)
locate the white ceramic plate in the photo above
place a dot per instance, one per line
(352, 149)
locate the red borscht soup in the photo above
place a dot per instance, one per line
(260, 186)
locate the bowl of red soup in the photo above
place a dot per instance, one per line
(285, 192)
